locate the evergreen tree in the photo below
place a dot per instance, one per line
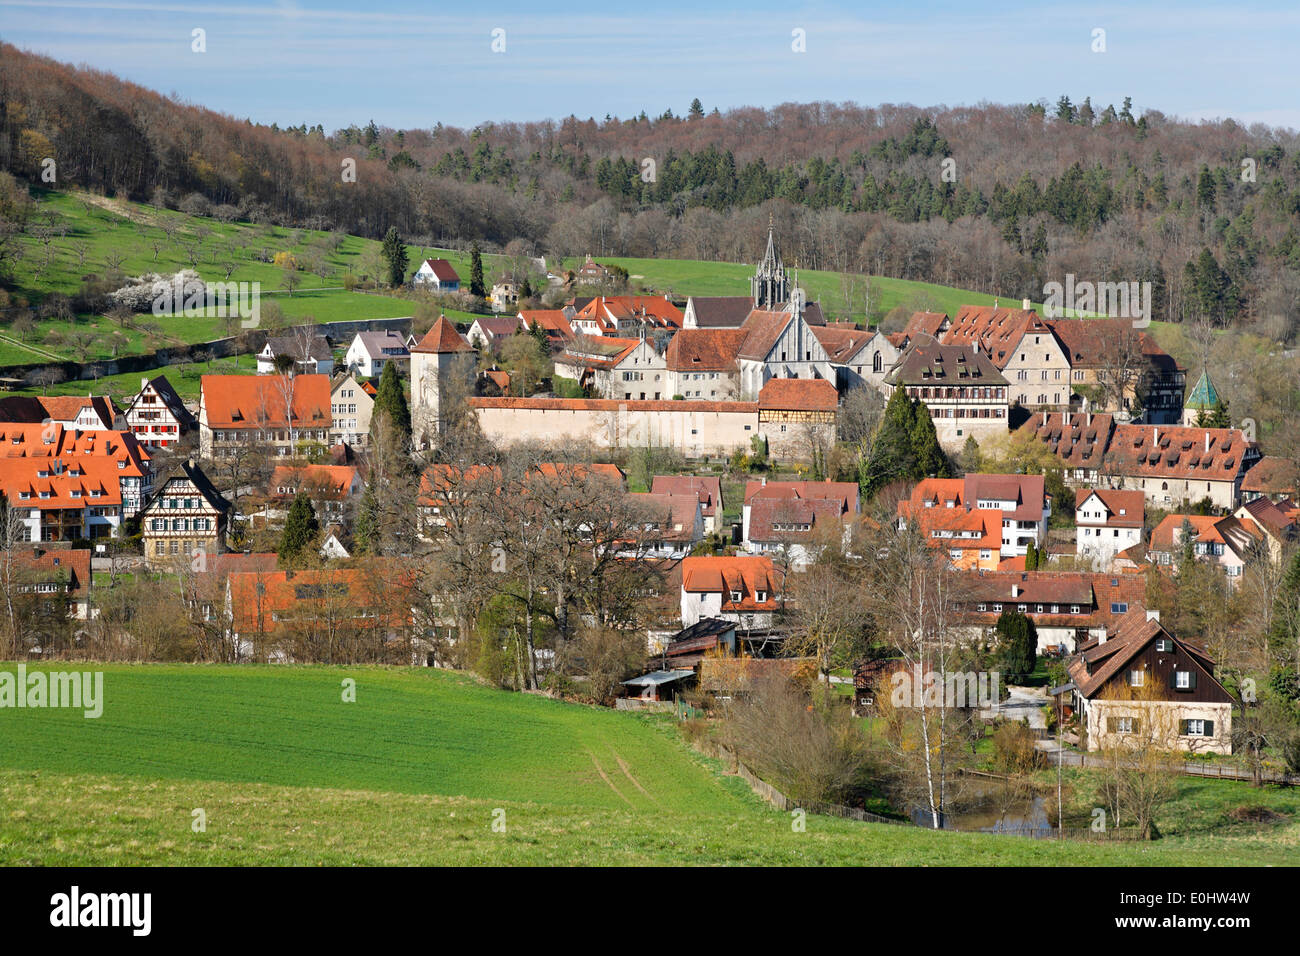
(697, 108)
(476, 286)
(926, 450)
(366, 531)
(892, 457)
(1018, 646)
(1031, 557)
(525, 289)
(394, 253)
(391, 398)
(1284, 628)
(300, 527)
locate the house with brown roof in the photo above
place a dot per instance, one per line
(1278, 523)
(590, 361)
(369, 352)
(331, 488)
(186, 520)
(1046, 360)
(85, 413)
(862, 356)
(1173, 466)
(1068, 608)
(673, 524)
(959, 385)
(311, 356)
(1271, 477)
(436, 275)
(746, 589)
(980, 519)
(702, 365)
(290, 615)
(716, 311)
(932, 324)
(790, 519)
(1142, 684)
(708, 489)
(59, 576)
(554, 322)
(157, 415)
(624, 315)
(1106, 522)
(488, 332)
(281, 413)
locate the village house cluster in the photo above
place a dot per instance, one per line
(719, 376)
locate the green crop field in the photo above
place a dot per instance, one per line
(418, 769)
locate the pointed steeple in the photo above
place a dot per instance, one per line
(769, 287)
(1203, 396)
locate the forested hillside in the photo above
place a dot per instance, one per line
(1207, 212)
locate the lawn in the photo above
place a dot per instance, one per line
(418, 769)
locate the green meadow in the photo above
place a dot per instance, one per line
(431, 767)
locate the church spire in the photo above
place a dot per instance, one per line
(769, 287)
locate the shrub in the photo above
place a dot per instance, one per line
(1014, 750)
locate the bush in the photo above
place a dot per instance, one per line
(1014, 750)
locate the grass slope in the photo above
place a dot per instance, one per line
(415, 772)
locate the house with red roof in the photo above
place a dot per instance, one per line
(626, 315)
(58, 577)
(789, 520)
(331, 488)
(707, 489)
(436, 275)
(673, 524)
(1106, 522)
(277, 412)
(1229, 541)
(746, 589)
(980, 519)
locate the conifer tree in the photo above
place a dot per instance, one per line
(300, 527)
(391, 398)
(394, 253)
(476, 286)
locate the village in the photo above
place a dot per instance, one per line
(737, 494)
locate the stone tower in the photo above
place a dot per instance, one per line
(769, 287)
(442, 367)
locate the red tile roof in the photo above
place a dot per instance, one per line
(1272, 476)
(799, 394)
(319, 481)
(1124, 509)
(707, 489)
(723, 575)
(704, 350)
(612, 405)
(443, 270)
(443, 337)
(261, 401)
(844, 492)
(74, 483)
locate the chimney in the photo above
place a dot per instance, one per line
(1024, 304)
(1207, 442)
(1156, 437)
(1015, 590)
(1153, 616)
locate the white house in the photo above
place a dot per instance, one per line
(314, 357)
(371, 351)
(1106, 523)
(437, 275)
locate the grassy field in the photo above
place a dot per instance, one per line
(417, 770)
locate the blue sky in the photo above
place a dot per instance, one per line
(410, 65)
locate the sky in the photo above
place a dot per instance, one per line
(412, 65)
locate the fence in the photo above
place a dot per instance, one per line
(1216, 771)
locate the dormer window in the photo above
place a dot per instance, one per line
(735, 595)
(761, 596)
